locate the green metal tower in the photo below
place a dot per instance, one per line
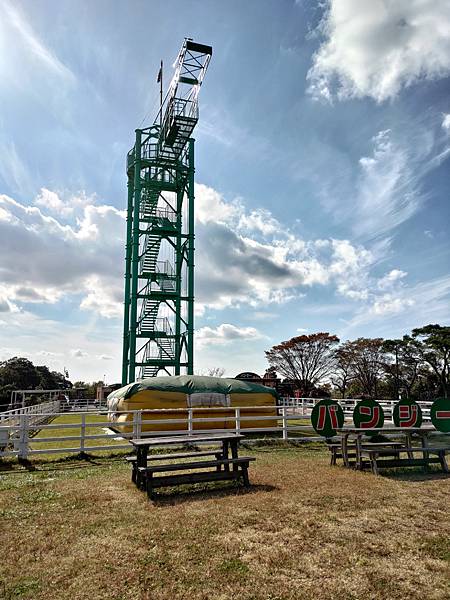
(159, 256)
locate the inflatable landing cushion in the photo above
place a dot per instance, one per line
(165, 394)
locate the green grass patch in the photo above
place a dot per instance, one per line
(23, 588)
(234, 566)
(437, 547)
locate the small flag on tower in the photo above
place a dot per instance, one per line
(159, 74)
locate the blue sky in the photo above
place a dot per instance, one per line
(322, 171)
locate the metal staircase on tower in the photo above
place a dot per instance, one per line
(159, 272)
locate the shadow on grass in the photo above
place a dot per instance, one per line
(72, 461)
(414, 475)
(201, 494)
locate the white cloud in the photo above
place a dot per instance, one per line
(224, 334)
(78, 353)
(391, 278)
(34, 47)
(446, 122)
(53, 202)
(259, 220)
(104, 297)
(263, 315)
(269, 264)
(43, 260)
(404, 308)
(387, 188)
(48, 354)
(13, 171)
(210, 207)
(389, 304)
(83, 259)
(350, 267)
(4, 305)
(376, 47)
(53, 343)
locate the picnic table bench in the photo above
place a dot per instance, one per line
(335, 449)
(374, 454)
(151, 476)
(386, 453)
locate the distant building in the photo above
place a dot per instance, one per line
(284, 388)
(103, 391)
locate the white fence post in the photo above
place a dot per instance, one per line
(134, 424)
(82, 432)
(139, 424)
(24, 430)
(237, 415)
(285, 431)
(190, 421)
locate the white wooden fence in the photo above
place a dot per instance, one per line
(305, 406)
(17, 431)
(37, 413)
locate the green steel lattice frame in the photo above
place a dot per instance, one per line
(159, 256)
(166, 343)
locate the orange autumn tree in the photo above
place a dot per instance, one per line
(305, 359)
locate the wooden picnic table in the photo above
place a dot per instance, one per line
(359, 432)
(144, 474)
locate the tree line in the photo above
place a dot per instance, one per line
(416, 366)
(21, 374)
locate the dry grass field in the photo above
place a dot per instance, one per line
(81, 530)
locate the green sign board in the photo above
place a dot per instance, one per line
(327, 416)
(367, 414)
(440, 414)
(407, 413)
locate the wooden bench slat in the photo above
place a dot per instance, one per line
(184, 478)
(152, 457)
(404, 462)
(196, 465)
(379, 444)
(369, 444)
(403, 449)
(378, 458)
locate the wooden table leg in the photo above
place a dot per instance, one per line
(373, 463)
(444, 464)
(149, 486)
(344, 448)
(426, 455)
(245, 476)
(359, 464)
(409, 445)
(225, 454)
(141, 461)
(136, 468)
(234, 453)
